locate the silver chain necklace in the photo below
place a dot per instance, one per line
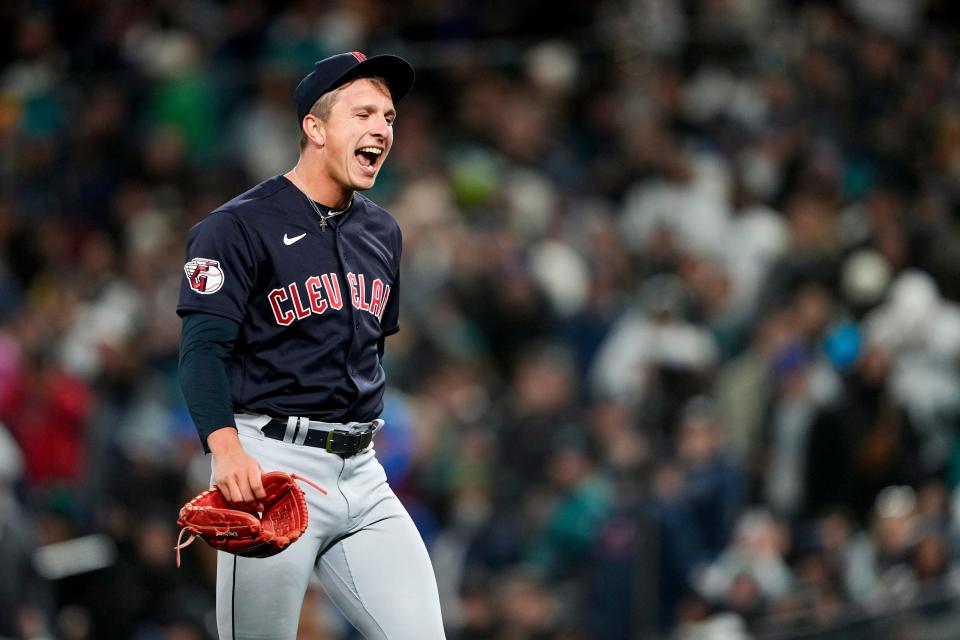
(323, 218)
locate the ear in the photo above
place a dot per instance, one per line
(314, 129)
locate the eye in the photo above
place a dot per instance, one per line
(363, 115)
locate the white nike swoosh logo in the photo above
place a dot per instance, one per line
(289, 241)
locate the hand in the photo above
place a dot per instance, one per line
(235, 473)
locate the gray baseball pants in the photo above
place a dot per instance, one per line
(360, 541)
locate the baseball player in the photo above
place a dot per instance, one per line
(288, 293)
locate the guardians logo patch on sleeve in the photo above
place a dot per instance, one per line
(204, 275)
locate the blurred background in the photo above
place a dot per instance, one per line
(680, 347)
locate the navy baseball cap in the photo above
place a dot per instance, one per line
(330, 73)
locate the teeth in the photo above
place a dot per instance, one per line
(372, 150)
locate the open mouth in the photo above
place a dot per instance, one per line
(369, 157)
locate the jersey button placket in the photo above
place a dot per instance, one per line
(345, 268)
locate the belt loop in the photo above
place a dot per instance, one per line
(304, 426)
(291, 429)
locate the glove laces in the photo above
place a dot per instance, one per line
(183, 545)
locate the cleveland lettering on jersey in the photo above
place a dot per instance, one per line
(322, 293)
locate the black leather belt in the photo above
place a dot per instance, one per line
(343, 443)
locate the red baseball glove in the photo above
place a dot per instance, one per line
(231, 527)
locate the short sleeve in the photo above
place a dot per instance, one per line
(220, 269)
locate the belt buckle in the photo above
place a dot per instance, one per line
(336, 441)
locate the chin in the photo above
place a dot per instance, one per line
(364, 183)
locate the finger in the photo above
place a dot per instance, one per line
(256, 484)
(230, 490)
(246, 494)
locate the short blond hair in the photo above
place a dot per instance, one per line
(324, 105)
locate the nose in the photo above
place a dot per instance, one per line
(380, 126)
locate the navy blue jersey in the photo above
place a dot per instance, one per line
(313, 300)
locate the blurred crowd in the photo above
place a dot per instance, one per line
(680, 344)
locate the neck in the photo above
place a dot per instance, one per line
(318, 186)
